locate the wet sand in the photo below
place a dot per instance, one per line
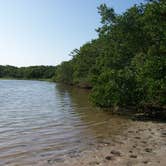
(143, 144)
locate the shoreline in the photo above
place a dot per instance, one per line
(144, 112)
(143, 144)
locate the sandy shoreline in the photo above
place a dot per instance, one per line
(143, 144)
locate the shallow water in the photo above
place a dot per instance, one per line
(40, 120)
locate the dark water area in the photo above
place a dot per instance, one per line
(40, 120)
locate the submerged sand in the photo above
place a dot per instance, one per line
(144, 143)
(141, 144)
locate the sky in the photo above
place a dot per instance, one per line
(44, 32)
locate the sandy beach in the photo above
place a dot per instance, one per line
(145, 144)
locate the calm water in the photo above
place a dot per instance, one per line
(41, 120)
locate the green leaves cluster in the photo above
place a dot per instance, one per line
(126, 64)
(31, 72)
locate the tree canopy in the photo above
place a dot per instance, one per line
(126, 64)
(31, 72)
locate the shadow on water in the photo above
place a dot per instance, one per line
(102, 124)
(80, 97)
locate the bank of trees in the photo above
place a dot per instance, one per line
(31, 72)
(126, 64)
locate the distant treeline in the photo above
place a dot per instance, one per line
(126, 64)
(31, 72)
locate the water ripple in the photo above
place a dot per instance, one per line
(40, 119)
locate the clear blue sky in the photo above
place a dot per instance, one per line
(44, 32)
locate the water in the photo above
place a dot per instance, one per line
(40, 120)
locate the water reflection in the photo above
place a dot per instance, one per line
(40, 120)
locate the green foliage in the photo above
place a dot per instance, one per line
(32, 72)
(115, 88)
(64, 73)
(126, 64)
(137, 40)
